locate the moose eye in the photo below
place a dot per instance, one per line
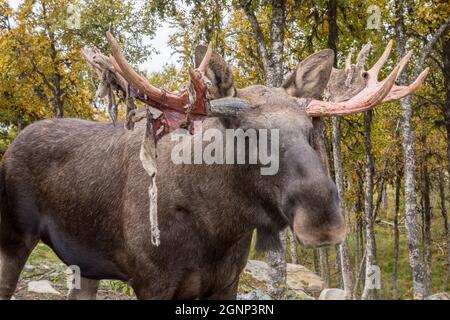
(365, 75)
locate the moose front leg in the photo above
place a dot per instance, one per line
(227, 293)
(148, 292)
(88, 290)
(155, 287)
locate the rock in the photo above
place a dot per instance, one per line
(301, 278)
(439, 296)
(258, 270)
(42, 286)
(256, 294)
(301, 281)
(332, 294)
(29, 268)
(298, 295)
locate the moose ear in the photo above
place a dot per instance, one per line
(219, 73)
(310, 78)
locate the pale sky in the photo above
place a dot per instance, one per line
(159, 42)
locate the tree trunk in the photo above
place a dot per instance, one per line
(316, 259)
(277, 259)
(338, 266)
(333, 27)
(275, 72)
(58, 101)
(342, 251)
(446, 72)
(19, 123)
(339, 177)
(359, 274)
(445, 218)
(380, 192)
(359, 221)
(273, 67)
(319, 146)
(58, 104)
(277, 271)
(384, 199)
(396, 237)
(325, 266)
(259, 36)
(415, 260)
(292, 247)
(369, 291)
(427, 226)
(319, 143)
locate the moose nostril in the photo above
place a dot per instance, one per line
(365, 75)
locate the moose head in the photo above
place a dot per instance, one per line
(301, 194)
(311, 202)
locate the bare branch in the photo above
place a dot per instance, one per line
(428, 48)
(259, 36)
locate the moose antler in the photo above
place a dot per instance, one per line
(193, 98)
(374, 92)
(177, 109)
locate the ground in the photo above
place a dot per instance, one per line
(43, 264)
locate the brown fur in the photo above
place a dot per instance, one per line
(311, 76)
(219, 73)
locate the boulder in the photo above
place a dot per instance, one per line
(332, 294)
(439, 296)
(301, 278)
(42, 286)
(297, 295)
(255, 294)
(301, 282)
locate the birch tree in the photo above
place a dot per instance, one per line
(415, 261)
(368, 292)
(446, 227)
(396, 235)
(342, 253)
(446, 110)
(272, 59)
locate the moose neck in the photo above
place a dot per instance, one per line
(229, 199)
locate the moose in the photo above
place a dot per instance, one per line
(81, 188)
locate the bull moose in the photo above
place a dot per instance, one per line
(80, 187)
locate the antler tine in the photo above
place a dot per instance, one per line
(388, 83)
(128, 72)
(87, 54)
(400, 91)
(115, 65)
(361, 102)
(381, 61)
(373, 79)
(204, 64)
(348, 61)
(404, 61)
(362, 55)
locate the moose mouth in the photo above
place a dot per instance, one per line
(314, 243)
(311, 233)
